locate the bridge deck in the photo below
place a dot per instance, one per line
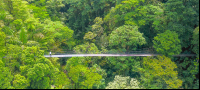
(111, 55)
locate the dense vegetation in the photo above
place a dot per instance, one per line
(31, 28)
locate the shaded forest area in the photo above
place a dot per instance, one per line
(31, 28)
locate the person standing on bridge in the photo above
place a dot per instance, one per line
(50, 53)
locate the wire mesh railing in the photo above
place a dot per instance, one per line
(105, 52)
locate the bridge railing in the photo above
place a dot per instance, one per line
(108, 52)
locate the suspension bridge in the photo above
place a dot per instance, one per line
(111, 54)
(114, 55)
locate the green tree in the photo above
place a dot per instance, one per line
(57, 34)
(13, 57)
(167, 43)
(90, 36)
(120, 65)
(89, 48)
(41, 71)
(39, 11)
(81, 14)
(182, 19)
(5, 76)
(159, 73)
(2, 43)
(18, 23)
(83, 77)
(53, 8)
(195, 41)
(20, 9)
(188, 70)
(61, 80)
(120, 82)
(125, 37)
(81, 73)
(20, 82)
(23, 36)
(39, 76)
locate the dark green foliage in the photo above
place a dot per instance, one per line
(188, 72)
(29, 29)
(195, 41)
(181, 16)
(167, 43)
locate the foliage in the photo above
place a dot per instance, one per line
(20, 82)
(181, 16)
(120, 82)
(20, 9)
(195, 41)
(29, 29)
(2, 42)
(86, 48)
(126, 36)
(159, 73)
(88, 77)
(167, 43)
(187, 71)
(23, 36)
(81, 14)
(5, 77)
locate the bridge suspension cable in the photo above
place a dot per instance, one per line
(114, 55)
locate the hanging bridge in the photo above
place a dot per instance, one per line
(114, 55)
(110, 54)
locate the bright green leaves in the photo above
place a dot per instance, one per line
(86, 48)
(74, 61)
(161, 71)
(97, 28)
(39, 76)
(86, 77)
(30, 55)
(22, 32)
(61, 81)
(30, 23)
(39, 12)
(56, 34)
(89, 36)
(2, 43)
(20, 9)
(167, 43)
(120, 82)
(23, 36)
(5, 77)
(18, 23)
(82, 75)
(13, 56)
(20, 82)
(126, 36)
(40, 71)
